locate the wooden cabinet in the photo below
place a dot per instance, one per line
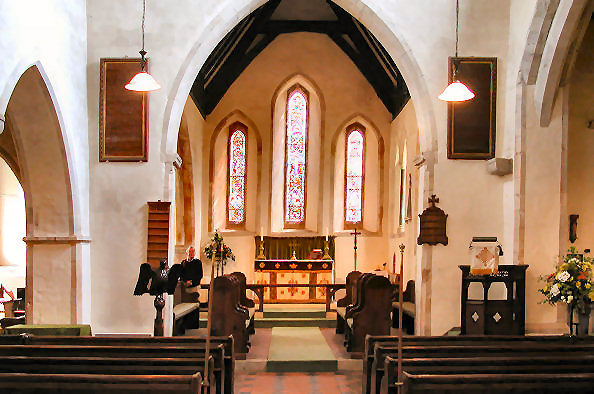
(487, 316)
(158, 232)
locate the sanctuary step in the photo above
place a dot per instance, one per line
(299, 349)
(294, 316)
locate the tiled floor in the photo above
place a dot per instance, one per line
(295, 382)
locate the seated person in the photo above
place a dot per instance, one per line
(192, 272)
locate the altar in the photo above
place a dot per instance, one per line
(279, 268)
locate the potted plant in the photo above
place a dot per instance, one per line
(572, 284)
(218, 252)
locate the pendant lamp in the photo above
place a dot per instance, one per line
(142, 81)
(456, 91)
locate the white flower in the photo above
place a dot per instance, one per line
(569, 299)
(563, 276)
(555, 290)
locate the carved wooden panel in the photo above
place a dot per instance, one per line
(123, 114)
(432, 229)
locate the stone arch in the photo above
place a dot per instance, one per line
(53, 250)
(235, 10)
(563, 38)
(392, 38)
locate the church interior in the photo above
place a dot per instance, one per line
(349, 221)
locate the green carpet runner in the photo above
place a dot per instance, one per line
(299, 349)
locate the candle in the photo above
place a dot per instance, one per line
(261, 234)
(326, 232)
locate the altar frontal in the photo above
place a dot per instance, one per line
(294, 261)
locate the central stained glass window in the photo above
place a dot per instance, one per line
(354, 177)
(296, 144)
(237, 165)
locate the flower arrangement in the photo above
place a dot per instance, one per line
(572, 281)
(218, 250)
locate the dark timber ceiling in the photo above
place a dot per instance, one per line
(246, 40)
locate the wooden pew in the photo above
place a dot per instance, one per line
(408, 309)
(389, 340)
(228, 317)
(484, 365)
(85, 383)
(498, 383)
(244, 301)
(371, 316)
(497, 349)
(136, 358)
(145, 341)
(347, 300)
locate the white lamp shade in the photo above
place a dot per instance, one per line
(143, 82)
(456, 91)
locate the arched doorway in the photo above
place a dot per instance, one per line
(33, 145)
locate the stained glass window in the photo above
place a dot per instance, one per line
(237, 174)
(355, 149)
(296, 140)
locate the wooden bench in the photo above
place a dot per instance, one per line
(228, 317)
(244, 300)
(347, 300)
(498, 383)
(408, 309)
(372, 340)
(484, 365)
(85, 383)
(186, 315)
(371, 314)
(190, 355)
(448, 350)
(145, 341)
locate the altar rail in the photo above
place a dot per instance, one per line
(258, 289)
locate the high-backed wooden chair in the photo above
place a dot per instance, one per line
(341, 305)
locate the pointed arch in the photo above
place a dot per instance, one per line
(218, 174)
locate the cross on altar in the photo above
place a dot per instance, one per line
(355, 233)
(293, 245)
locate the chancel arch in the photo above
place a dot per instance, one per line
(372, 170)
(297, 108)
(53, 251)
(220, 174)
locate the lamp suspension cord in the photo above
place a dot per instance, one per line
(144, 11)
(457, 11)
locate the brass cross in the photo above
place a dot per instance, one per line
(355, 233)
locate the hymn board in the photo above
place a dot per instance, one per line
(294, 260)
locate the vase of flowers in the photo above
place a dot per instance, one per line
(572, 284)
(218, 252)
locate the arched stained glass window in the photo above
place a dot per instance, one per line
(354, 175)
(237, 174)
(296, 156)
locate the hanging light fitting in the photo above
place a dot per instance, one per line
(456, 91)
(142, 81)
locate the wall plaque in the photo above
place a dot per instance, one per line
(123, 114)
(471, 124)
(432, 225)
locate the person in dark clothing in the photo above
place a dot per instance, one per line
(192, 270)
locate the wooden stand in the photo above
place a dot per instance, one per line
(494, 317)
(159, 305)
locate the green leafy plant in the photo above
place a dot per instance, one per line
(571, 282)
(218, 250)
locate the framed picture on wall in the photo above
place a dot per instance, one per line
(471, 124)
(123, 114)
